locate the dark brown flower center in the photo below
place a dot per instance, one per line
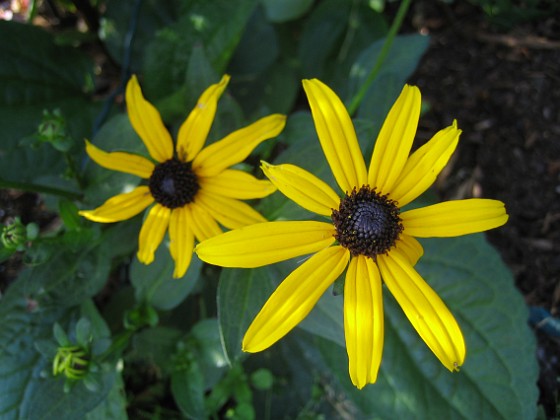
(367, 223)
(173, 183)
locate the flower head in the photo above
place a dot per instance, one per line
(367, 233)
(191, 192)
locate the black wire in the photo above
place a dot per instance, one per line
(125, 69)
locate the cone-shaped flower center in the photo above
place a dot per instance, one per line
(173, 183)
(367, 223)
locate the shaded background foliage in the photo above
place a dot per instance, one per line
(490, 64)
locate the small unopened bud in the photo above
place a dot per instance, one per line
(53, 130)
(14, 235)
(71, 361)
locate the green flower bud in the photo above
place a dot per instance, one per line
(14, 235)
(71, 361)
(53, 130)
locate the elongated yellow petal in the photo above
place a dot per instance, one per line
(121, 161)
(121, 207)
(193, 132)
(146, 121)
(337, 136)
(454, 218)
(181, 240)
(424, 309)
(294, 298)
(229, 212)
(152, 232)
(395, 140)
(266, 243)
(304, 188)
(236, 184)
(237, 146)
(410, 248)
(424, 165)
(203, 224)
(363, 320)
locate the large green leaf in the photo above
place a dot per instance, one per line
(285, 10)
(113, 406)
(241, 294)
(217, 25)
(336, 32)
(499, 376)
(400, 62)
(71, 273)
(132, 25)
(28, 388)
(154, 283)
(37, 74)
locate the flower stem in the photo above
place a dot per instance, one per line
(396, 25)
(25, 186)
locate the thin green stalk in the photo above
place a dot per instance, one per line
(359, 96)
(43, 189)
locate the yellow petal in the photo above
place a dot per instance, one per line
(294, 298)
(204, 225)
(181, 240)
(410, 248)
(363, 320)
(424, 165)
(424, 309)
(121, 161)
(152, 232)
(193, 132)
(304, 188)
(146, 121)
(236, 184)
(237, 146)
(454, 218)
(121, 207)
(229, 212)
(266, 243)
(395, 140)
(337, 136)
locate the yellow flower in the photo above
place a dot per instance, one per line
(368, 233)
(192, 191)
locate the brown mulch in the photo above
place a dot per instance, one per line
(503, 87)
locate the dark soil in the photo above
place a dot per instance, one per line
(503, 87)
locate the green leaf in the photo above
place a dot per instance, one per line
(402, 59)
(121, 16)
(113, 406)
(334, 35)
(70, 275)
(286, 10)
(209, 351)
(29, 163)
(29, 390)
(154, 283)
(37, 74)
(217, 25)
(257, 49)
(499, 376)
(187, 387)
(241, 294)
(156, 345)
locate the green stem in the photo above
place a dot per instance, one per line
(25, 186)
(119, 344)
(359, 96)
